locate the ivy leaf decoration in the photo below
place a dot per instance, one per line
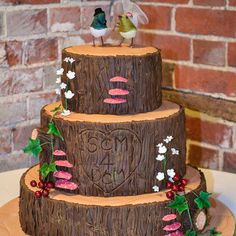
(190, 233)
(213, 232)
(203, 200)
(46, 169)
(56, 109)
(179, 203)
(33, 146)
(52, 129)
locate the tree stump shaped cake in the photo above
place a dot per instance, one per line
(114, 151)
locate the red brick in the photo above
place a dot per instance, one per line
(15, 161)
(21, 134)
(41, 50)
(168, 1)
(209, 2)
(5, 82)
(205, 80)
(14, 52)
(26, 22)
(159, 17)
(37, 1)
(232, 2)
(232, 54)
(203, 157)
(167, 44)
(65, 19)
(206, 21)
(5, 140)
(26, 80)
(209, 52)
(229, 162)
(14, 110)
(3, 61)
(208, 132)
(36, 102)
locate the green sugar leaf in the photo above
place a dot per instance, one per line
(213, 232)
(179, 204)
(46, 169)
(52, 129)
(203, 200)
(56, 109)
(190, 233)
(33, 146)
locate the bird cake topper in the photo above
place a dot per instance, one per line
(98, 28)
(134, 12)
(129, 20)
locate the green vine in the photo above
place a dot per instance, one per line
(34, 146)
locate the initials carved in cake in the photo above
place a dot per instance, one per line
(110, 158)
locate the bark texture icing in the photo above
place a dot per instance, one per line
(93, 72)
(112, 158)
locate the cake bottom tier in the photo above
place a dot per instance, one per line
(65, 214)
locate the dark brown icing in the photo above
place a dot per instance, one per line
(113, 158)
(78, 215)
(95, 66)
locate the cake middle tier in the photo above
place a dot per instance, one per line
(119, 155)
(111, 80)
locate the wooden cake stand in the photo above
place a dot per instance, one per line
(221, 218)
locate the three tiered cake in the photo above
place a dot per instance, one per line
(115, 152)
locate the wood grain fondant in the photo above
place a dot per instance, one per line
(116, 155)
(95, 66)
(62, 214)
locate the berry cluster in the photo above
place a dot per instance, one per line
(44, 186)
(178, 185)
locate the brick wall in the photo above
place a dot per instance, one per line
(198, 42)
(197, 38)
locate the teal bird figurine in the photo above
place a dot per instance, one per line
(126, 28)
(98, 28)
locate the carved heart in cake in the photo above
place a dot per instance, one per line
(110, 158)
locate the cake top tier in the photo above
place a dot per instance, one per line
(111, 79)
(110, 50)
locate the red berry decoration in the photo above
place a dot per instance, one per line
(45, 193)
(184, 182)
(170, 195)
(169, 185)
(38, 194)
(41, 184)
(33, 183)
(181, 188)
(175, 188)
(176, 178)
(50, 184)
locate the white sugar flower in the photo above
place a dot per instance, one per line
(58, 91)
(162, 149)
(171, 173)
(67, 59)
(155, 188)
(63, 85)
(69, 94)
(171, 180)
(60, 71)
(160, 157)
(66, 112)
(168, 139)
(58, 80)
(174, 151)
(160, 176)
(159, 145)
(70, 75)
(71, 60)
